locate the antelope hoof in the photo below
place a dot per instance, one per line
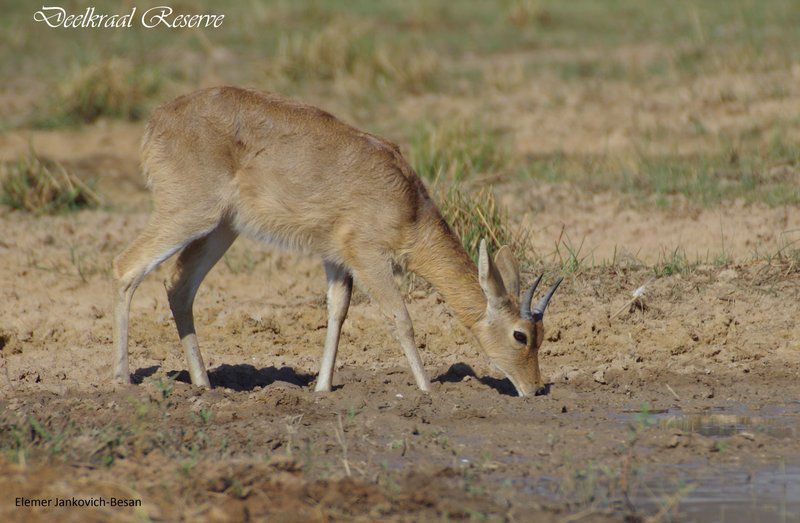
(321, 387)
(122, 379)
(201, 381)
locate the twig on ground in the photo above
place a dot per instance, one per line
(585, 513)
(6, 375)
(675, 394)
(339, 431)
(637, 295)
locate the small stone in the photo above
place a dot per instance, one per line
(674, 441)
(600, 376)
(285, 463)
(30, 376)
(747, 435)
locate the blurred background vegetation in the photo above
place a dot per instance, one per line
(688, 101)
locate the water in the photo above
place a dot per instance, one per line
(720, 423)
(699, 491)
(707, 493)
(725, 494)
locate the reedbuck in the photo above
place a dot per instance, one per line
(227, 161)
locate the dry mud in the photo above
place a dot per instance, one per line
(696, 390)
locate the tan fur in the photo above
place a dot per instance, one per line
(227, 161)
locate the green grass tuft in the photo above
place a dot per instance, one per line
(456, 152)
(767, 174)
(41, 186)
(672, 263)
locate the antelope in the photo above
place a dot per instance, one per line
(226, 161)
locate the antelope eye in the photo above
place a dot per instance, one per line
(521, 337)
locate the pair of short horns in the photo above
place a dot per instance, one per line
(538, 310)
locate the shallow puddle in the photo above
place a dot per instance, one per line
(703, 494)
(723, 425)
(722, 422)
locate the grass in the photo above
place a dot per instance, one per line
(571, 256)
(376, 59)
(672, 262)
(41, 186)
(766, 174)
(456, 151)
(20, 436)
(524, 13)
(786, 257)
(112, 88)
(475, 216)
(147, 427)
(347, 52)
(475, 27)
(451, 156)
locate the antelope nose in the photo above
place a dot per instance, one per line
(542, 390)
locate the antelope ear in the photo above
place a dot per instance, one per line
(509, 270)
(490, 280)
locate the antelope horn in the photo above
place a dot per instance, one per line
(541, 305)
(525, 304)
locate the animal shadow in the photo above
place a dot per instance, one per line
(245, 377)
(458, 371)
(139, 375)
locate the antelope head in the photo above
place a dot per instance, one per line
(511, 330)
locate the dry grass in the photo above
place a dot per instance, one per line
(525, 12)
(347, 53)
(41, 186)
(457, 152)
(111, 88)
(476, 215)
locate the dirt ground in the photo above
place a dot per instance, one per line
(645, 403)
